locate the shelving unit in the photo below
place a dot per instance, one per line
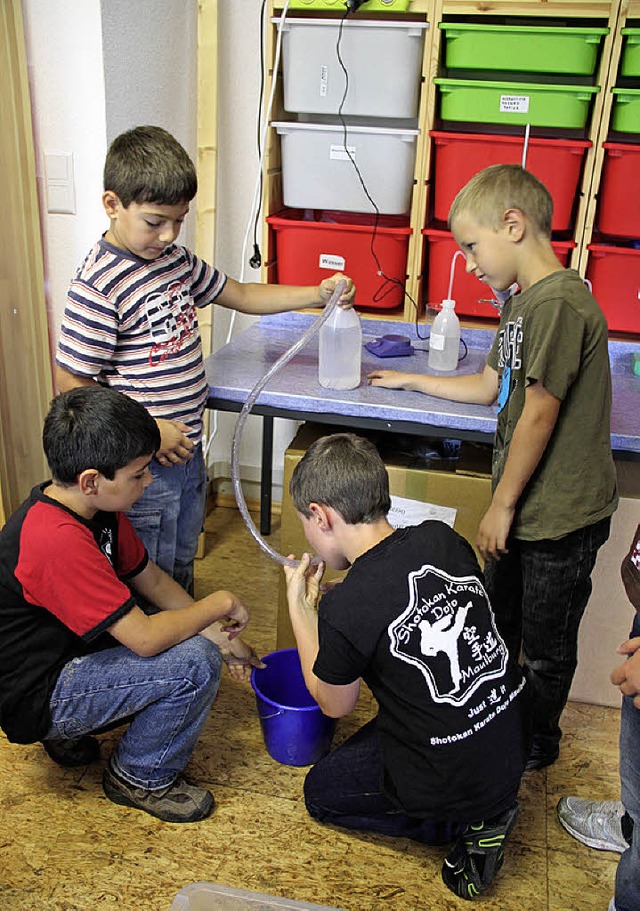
(612, 15)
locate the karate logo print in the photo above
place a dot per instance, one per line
(448, 632)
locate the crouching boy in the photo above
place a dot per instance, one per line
(78, 653)
(444, 756)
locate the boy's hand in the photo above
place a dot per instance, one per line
(627, 675)
(328, 285)
(175, 446)
(494, 530)
(303, 583)
(234, 620)
(390, 379)
(240, 657)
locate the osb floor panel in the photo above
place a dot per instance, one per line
(65, 847)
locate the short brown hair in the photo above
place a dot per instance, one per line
(492, 191)
(146, 164)
(345, 472)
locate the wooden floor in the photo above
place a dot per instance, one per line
(65, 847)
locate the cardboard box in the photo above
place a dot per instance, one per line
(456, 489)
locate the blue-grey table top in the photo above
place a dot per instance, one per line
(234, 370)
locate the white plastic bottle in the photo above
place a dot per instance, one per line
(444, 341)
(340, 345)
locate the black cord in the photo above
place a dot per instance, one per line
(389, 281)
(256, 260)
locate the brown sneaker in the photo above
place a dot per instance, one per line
(179, 802)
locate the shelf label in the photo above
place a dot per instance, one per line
(331, 261)
(342, 153)
(324, 81)
(514, 104)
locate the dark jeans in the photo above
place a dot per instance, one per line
(628, 873)
(345, 789)
(538, 592)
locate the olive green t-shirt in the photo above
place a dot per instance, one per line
(554, 333)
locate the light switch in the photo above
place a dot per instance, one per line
(60, 186)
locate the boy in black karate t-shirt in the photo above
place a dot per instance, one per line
(445, 754)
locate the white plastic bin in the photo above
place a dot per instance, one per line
(318, 169)
(383, 60)
(210, 897)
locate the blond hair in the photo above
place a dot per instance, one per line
(494, 190)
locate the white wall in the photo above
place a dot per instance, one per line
(98, 67)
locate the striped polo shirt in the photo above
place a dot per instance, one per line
(131, 323)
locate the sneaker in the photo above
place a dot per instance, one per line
(542, 754)
(472, 865)
(597, 824)
(70, 754)
(179, 802)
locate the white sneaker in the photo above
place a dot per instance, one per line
(594, 823)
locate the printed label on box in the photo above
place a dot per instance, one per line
(514, 104)
(405, 512)
(331, 261)
(342, 153)
(324, 81)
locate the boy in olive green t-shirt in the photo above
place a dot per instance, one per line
(554, 483)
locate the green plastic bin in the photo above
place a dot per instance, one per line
(630, 63)
(626, 110)
(519, 48)
(519, 103)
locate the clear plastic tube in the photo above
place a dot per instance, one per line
(244, 413)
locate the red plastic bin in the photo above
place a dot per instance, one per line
(308, 250)
(618, 211)
(468, 293)
(614, 273)
(556, 162)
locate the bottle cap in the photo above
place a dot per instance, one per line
(448, 303)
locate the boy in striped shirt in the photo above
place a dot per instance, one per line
(130, 322)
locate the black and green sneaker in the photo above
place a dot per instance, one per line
(472, 864)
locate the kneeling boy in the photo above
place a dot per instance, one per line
(446, 752)
(78, 653)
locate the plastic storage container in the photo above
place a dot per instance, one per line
(557, 163)
(382, 57)
(618, 212)
(614, 273)
(318, 167)
(380, 6)
(625, 117)
(211, 897)
(516, 103)
(340, 350)
(630, 60)
(471, 296)
(444, 339)
(308, 250)
(522, 48)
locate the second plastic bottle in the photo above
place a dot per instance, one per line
(340, 350)
(444, 341)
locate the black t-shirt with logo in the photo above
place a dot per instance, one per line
(413, 620)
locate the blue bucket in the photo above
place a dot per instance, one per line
(294, 729)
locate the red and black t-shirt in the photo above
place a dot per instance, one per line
(62, 585)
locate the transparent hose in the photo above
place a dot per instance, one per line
(246, 408)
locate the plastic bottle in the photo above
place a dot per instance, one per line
(444, 341)
(340, 347)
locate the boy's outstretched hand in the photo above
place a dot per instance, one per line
(240, 657)
(389, 379)
(303, 584)
(328, 285)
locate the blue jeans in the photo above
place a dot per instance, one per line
(538, 592)
(169, 516)
(627, 897)
(165, 698)
(345, 789)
